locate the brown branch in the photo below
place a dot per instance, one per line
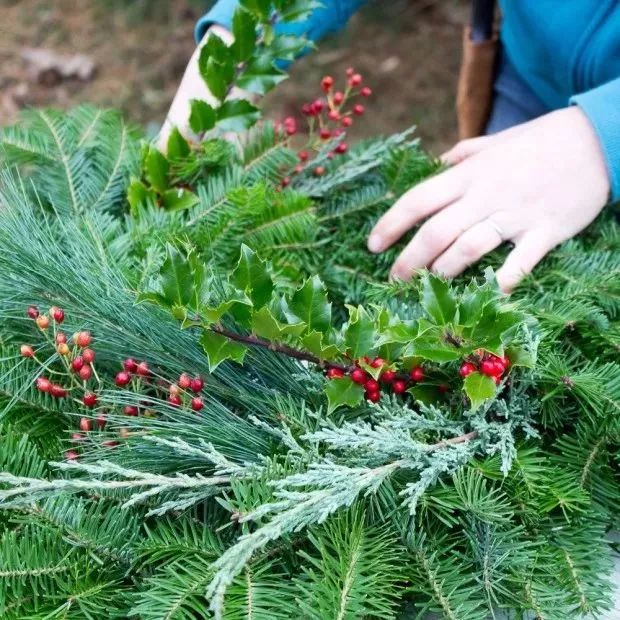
(455, 440)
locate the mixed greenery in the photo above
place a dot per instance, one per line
(285, 491)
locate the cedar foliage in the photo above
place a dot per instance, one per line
(266, 505)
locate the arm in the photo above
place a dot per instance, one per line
(602, 107)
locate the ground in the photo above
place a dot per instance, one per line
(408, 51)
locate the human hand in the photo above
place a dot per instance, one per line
(192, 86)
(535, 185)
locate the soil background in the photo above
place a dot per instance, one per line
(407, 50)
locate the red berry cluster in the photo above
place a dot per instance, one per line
(391, 379)
(487, 364)
(328, 117)
(77, 368)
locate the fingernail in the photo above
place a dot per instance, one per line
(375, 243)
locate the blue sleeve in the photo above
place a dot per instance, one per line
(330, 17)
(602, 106)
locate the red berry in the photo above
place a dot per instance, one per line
(333, 115)
(197, 384)
(86, 425)
(359, 376)
(350, 71)
(90, 399)
(109, 443)
(326, 83)
(86, 372)
(57, 391)
(399, 386)
(373, 397)
(286, 181)
(319, 171)
(297, 169)
(130, 365)
(417, 373)
(347, 121)
(330, 155)
(32, 312)
(77, 363)
(318, 105)
(184, 381)
(63, 349)
(43, 384)
(42, 321)
(491, 368)
(61, 338)
(303, 155)
(175, 400)
(371, 385)
(338, 97)
(88, 356)
(356, 79)
(130, 410)
(307, 109)
(143, 370)
(335, 373)
(77, 437)
(341, 148)
(443, 388)
(325, 133)
(388, 376)
(466, 369)
(197, 404)
(377, 363)
(71, 455)
(26, 350)
(366, 91)
(57, 314)
(358, 109)
(83, 339)
(101, 421)
(291, 130)
(122, 379)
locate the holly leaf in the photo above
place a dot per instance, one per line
(220, 349)
(244, 31)
(179, 199)
(178, 146)
(309, 305)
(214, 314)
(360, 332)
(479, 388)
(265, 325)
(202, 116)
(259, 8)
(177, 281)
(218, 77)
(343, 391)
(437, 299)
(237, 115)
(251, 276)
(260, 76)
(295, 10)
(288, 47)
(313, 343)
(156, 169)
(138, 194)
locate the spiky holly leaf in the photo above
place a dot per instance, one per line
(265, 325)
(237, 115)
(244, 30)
(309, 305)
(479, 388)
(360, 333)
(219, 349)
(177, 147)
(260, 76)
(316, 343)
(437, 299)
(202, 116)
(252, 277)
(343, 391)
(138, 194)
(179, 199)
(261, 9)
(156, 169)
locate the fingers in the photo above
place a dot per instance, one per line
(470, 247)
(434, 237)
(418, 203)
(463, 149)
(528, 252)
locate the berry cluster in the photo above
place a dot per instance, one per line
(328, 117)
(487, 364)
(72, 366)
(398, 382)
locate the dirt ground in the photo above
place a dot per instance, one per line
(136, 50)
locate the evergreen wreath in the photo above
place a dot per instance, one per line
(228, 412)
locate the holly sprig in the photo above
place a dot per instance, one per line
(473, 336)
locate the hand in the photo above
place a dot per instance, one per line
(192, 86)
(535, 185)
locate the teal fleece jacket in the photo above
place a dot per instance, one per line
(568, 52)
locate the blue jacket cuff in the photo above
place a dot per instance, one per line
(221, 14)
(602, 106)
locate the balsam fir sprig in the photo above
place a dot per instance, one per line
(374, 350)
